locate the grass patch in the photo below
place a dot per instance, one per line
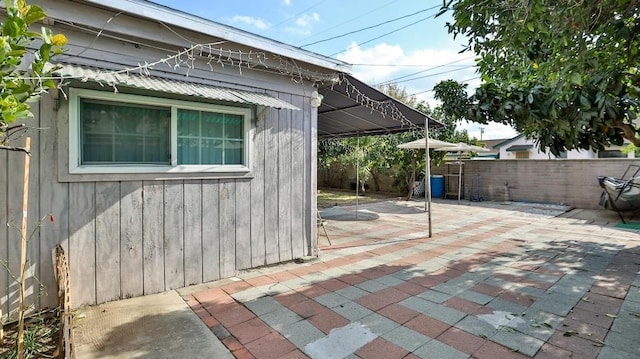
(329, 197)
(40, 336)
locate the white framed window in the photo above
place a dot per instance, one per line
(122, 133)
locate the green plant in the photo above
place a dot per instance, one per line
(25, 72)
(35, 345)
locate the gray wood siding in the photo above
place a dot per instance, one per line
(192, 228)
(107, 241)
(136, 237)
(210, 230)
(131, 245)
(258, 245)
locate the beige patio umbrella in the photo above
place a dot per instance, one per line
(424, 143)
(420, 143)
(461, 147)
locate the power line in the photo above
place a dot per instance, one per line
(429, 69)
(383, 35)
(425, 91)
(370, 27)
(432, 75)
(408, 65)
(350, 20)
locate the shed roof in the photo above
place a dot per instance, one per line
(349, 107)
(173, 17)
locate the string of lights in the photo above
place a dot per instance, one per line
(385, 108)
(219, 54)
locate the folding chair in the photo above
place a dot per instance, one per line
(321, 224)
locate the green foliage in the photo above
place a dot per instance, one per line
(631, 148)
(565, 73)
(24, 56)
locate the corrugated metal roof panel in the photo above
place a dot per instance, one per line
(159, 84)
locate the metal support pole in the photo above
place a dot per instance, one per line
(357, 170)
(459, 174)
(427, 170)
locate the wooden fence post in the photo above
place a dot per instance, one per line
(23, 249)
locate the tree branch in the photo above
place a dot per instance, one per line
(13, 127)
(628, 132)
(13, 148)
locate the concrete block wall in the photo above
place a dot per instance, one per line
(570, 182)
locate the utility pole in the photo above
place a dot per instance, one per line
(481, 132)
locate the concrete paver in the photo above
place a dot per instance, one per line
(494, 281)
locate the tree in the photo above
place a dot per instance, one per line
(25, 72)
(566, 73)
(24, 75)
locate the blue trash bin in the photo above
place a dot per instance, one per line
(437, 186)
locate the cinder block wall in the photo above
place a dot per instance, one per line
(571, 182)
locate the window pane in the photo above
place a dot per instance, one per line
(233, 126)
(212, 151)
(233, 152)
(212, 124)
(189, 123)
(122, 133)
(210, 138)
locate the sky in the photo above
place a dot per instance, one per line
(397, 41)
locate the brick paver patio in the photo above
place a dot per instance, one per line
(492, 282)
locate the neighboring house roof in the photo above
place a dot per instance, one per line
(172, 17)
(519, 148)
(506, 142)
(491, 144)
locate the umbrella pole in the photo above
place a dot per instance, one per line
(427, 170)
(357, 170)
(459, 174)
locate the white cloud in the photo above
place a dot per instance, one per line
(491, 131)
(307, 20)
(439, 65)
(286, 2)
(304, 24)
(248, 20)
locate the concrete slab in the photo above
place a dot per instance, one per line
(155, 326)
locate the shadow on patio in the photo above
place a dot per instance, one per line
(489, 283)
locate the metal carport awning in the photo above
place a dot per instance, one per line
(160, 84)
(350, 107)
